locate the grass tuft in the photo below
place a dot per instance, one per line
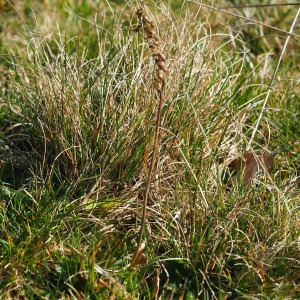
(128, 140)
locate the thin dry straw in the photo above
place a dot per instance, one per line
(273, 79)
(259, 5)
(244, 18)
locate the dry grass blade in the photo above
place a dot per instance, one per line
(111, 279)
(260, 5)
(273, 78)
(246, 19)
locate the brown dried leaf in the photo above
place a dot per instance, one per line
(251, 163)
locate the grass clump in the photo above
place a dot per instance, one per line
(83, 106)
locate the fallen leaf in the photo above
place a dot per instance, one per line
(252, 163)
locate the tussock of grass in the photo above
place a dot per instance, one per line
(88, 117)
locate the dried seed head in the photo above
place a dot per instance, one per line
(162, 66)
(160, 74)
(156, 44)
(159, 56)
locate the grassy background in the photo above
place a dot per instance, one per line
(78, 112)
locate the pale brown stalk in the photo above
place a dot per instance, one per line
(148, 26)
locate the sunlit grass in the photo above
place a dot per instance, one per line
(79, 99)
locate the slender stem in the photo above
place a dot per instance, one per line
(155, 152)
(273, 79)
(244, 18)
(260, 5)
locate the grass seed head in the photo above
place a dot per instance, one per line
(160, 60)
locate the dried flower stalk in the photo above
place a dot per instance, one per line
(148, 26)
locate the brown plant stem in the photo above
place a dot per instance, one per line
(159, 83)
(155, 152)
